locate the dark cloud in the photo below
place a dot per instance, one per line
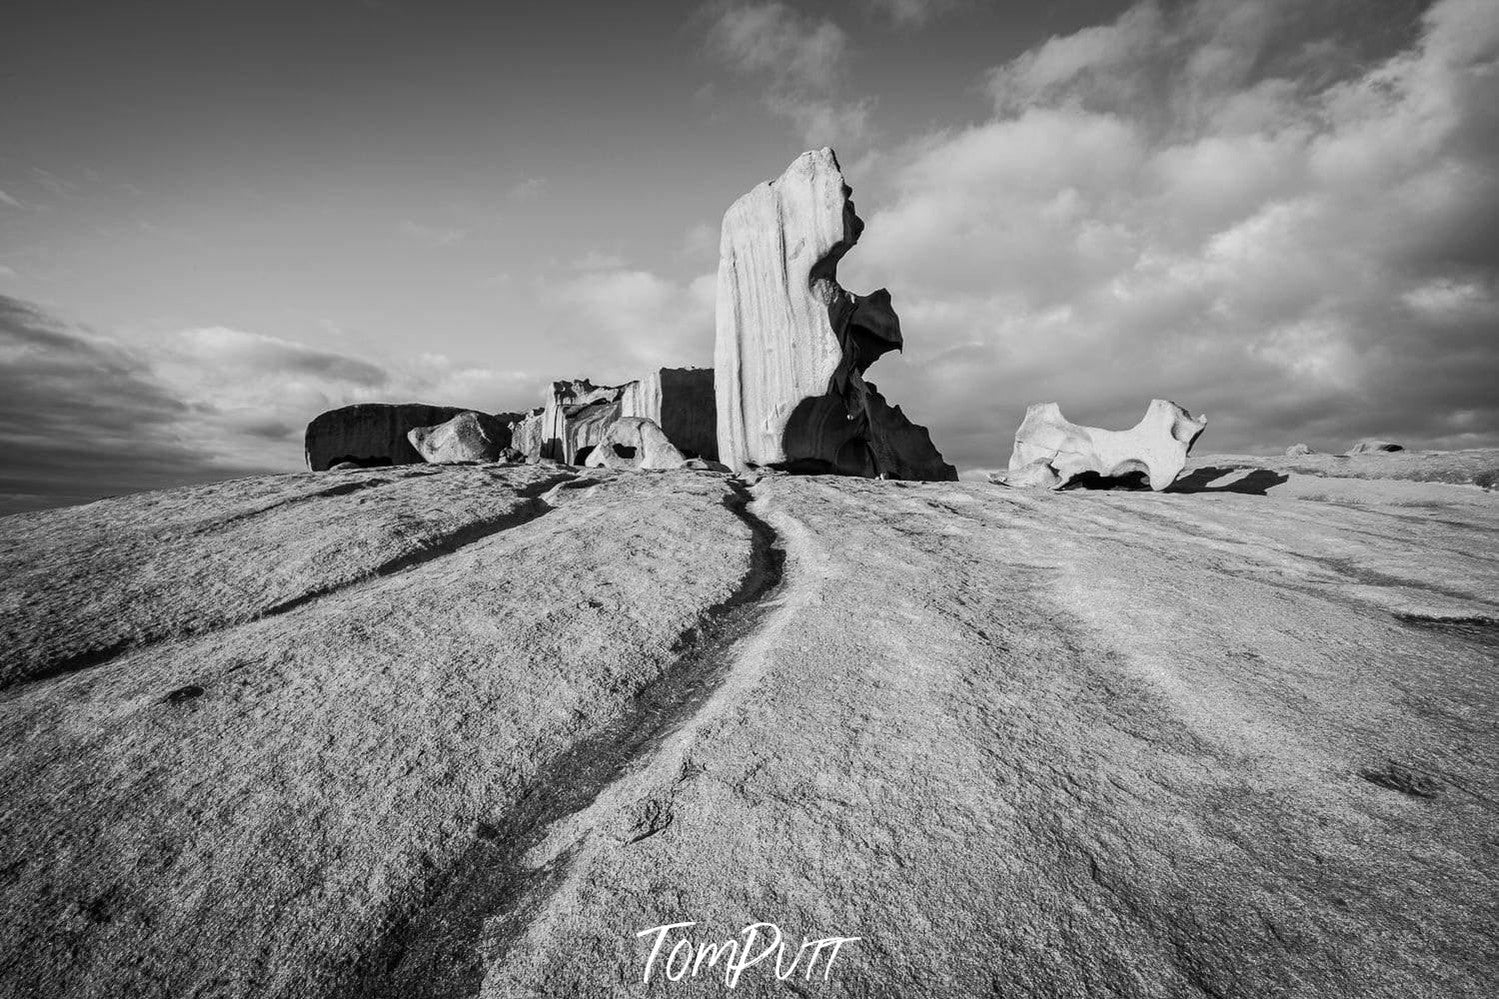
(82, 417)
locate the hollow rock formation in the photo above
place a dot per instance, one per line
(577, 414)
(370, 434)
(1158, 446)
(792, 345)
(635, 443)
(467, 437)
(575, 417)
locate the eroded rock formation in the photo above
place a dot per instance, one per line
(575, 417)
(467, 437)
(1297, 450)
(577, 414)
(370, 434)
(635, 443)
(793, 345)
(1158, 446)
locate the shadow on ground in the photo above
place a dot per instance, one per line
(1257, 483)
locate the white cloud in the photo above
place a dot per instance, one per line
(614, 325)
(1180, 204)
(9, 202)
(802, 57)
(911, 13)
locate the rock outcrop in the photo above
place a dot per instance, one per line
(1158, 446)
(1297, 450)
(633, 443)
(1373, 445)
(467, 437)
(577, 414)
(680, 402)
(575, 417)
(792, 345)
(370, 434)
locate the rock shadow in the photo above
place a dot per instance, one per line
(1257, 483)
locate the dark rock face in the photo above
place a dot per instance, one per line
(467, 437)
(370, 434)
(681, 402)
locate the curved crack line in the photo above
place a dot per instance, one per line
(475, 911)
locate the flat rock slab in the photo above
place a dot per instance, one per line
(1021, 744)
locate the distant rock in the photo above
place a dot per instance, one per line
(467, 437)
(1158, 445)
(1373, 445)
(577, 414)
(1297, 450)
(792, 345)
(370, 434)
(346, 466)
(633, 443)
(575, 417)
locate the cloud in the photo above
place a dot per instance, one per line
(1182, 203)
(911, 13)
(621, 322)
(9, 202)
(527, 190)
(432, 235)
(84, 415)
(802, 59)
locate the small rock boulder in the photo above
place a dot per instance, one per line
(1036, 475)
(1297, 450)
(1158, 445)
(1372, 445)
(631, 443)
(467, 437)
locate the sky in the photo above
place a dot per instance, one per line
(220, 218)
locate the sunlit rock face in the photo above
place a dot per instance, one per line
(370, 434)
(632, 444)
(575, 417)
(793, 345)
(467, 437)
(577, 414)
(1157, 446)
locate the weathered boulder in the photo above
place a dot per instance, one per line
(370, 434)
(1158, 445)
(1297, 450)
(467, 437)
(1373, 445)
(634, 443)
(680, 402)
(792, 345)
